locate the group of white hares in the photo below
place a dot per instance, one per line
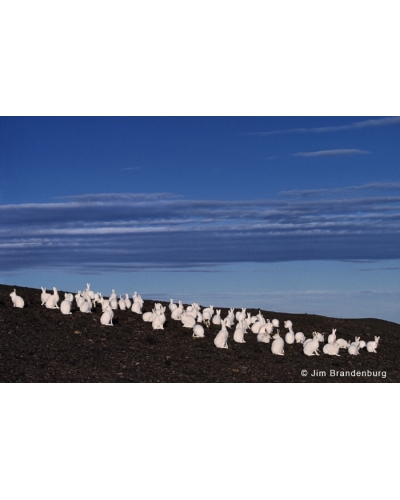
(193, 317)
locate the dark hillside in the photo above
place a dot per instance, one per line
(42, 345)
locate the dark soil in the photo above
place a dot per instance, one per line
(43, 345)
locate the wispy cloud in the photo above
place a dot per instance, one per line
(376, 122)
(332, 152)
(345, 190)
(127, 231)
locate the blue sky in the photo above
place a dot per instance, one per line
(293, 214)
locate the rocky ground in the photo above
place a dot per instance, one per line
(43, 345)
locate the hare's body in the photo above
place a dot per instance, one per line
(373, 344)
(85, 306)
(216, 320)
(263, 337)
(137, 307)
(289, 337)
(198, 331)
(221, 339)
(343, 344)
(17, 300)
(148, 316)
(171, 305)
(229, 320)
(44, 296)
(241, 315)
(299, 337)
(188, 321)
(277, 345)
(255, 327)
(65, 307)
(52, 301)
(332, 337)
(158, 321)
(121, 303)
(239, 333)
(353, 349)
(177, 313)
(107, 316)
(310, 346)
(128, 302)
(331, 348)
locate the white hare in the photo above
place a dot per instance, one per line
(177, 312)
(331, 348)
(86, 306)
(128, 303)
(216, 320)
(221, 339)
(44, 296)
(239, 332)
(198, 331)
(65, 306)
(107, 316)
(354, 347)
(310, 347)
(343, 344)
(373, 344)
(264, 337)
(277, 345)
(121, 303)
(149, 316)
(137, 307)
(289, 337)
(187, 320)
(52, 301)
(17, 300)
(332, 336)
(158, 320)
(299, 338)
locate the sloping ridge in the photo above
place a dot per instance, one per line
(43, 345)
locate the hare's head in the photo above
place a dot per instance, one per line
(377, 339)
(288, 324)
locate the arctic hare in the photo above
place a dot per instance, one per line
(44, 296)
(310, 347)
(107, 316)
(343, 344)
(216, 320)
(221, 340)
(239, 332)
(51, 302)
(331, 348)
(373, 344)
(332, 336)
(198, 331)
(277, 345)
(17, 300)
(65, 306)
